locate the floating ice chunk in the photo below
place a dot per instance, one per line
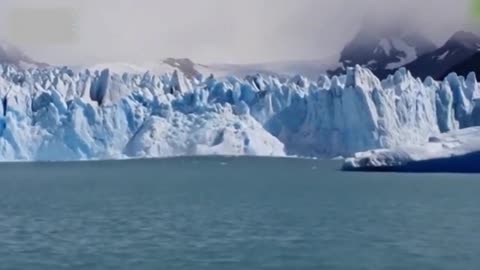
(457, 151)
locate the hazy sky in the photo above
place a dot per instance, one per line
(208, 31)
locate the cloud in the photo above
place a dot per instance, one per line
(238, 31)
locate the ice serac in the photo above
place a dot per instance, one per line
(456, 151)
(342, 115)
(61, 114)
(212, 132)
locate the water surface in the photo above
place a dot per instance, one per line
(234, 213)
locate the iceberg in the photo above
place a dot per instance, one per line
(63, 114)
(456, 151)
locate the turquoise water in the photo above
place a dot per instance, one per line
(226, 213)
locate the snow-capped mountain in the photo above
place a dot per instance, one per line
(185, 66)
(59, 114)
(311, 69)
(383, 49)
(437, 64)
(471, 64)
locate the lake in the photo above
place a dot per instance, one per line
(234, 213)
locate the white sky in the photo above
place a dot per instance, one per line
(234, 31)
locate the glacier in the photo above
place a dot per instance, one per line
(50, 114)
(456, 151)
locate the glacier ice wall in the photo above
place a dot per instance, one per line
(58, 114)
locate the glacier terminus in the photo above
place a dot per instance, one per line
(53, 114)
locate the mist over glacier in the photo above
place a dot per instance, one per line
(211, 31)
(59, 114)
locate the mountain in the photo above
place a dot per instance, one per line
(383, 49)
(185, 66)
(58, 114)
(311, 69)
(457, 54)
(9, 54)
(471, 64)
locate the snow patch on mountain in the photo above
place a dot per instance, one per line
(384, 45)
(409, 54)
(442, 56)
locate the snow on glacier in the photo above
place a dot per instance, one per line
(61, 114)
